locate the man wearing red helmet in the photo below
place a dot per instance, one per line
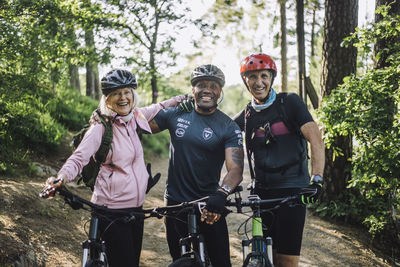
(277, 128)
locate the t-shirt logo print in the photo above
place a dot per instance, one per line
(207, 133)
(180, 132)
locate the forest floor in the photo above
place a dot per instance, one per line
(37, 232)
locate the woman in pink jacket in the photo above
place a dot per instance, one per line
(122, 179)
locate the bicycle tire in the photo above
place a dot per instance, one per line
(255, 263)
(186, 262)
(258, 263)
(96, 263)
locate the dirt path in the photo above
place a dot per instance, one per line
(50, 233)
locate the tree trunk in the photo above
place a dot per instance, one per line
(92, 74)
(153, 77)
(283, 43)
(152, 62)
(73, 70)
(381, 44)
(312, 42)
(390, 107)
(338, 62)
(301, 49)
(97, 90)
(74, 78)
(89, 80)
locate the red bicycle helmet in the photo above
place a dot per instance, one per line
(258, 62)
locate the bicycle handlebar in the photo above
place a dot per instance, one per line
(76, 202)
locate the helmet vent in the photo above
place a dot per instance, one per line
(261, 62)
(251, 62)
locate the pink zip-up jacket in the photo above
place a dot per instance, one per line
(124, 184)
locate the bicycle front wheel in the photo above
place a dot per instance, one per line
(96, 263)
(186, 262)
(255, 263)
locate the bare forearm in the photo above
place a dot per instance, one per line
(317, 158)
(233, 178)
(234, 166)
(313, 135)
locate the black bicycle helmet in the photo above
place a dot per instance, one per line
(207, 72)
(117, 79)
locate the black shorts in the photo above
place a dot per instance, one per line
(123, 240)
(285, 225)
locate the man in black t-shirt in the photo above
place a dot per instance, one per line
(201, 141)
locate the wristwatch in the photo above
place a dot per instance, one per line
(226, 189)
(316, 178)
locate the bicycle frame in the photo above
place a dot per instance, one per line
(261, 248)
(194, 242)
(94, 245)
(94, 249)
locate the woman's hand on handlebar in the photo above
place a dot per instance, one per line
(50, 188)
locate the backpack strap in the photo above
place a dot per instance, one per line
(292, 127)
(248, 137)
(106, 141)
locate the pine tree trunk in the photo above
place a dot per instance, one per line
(283, 43)
(338, 62)
(381, 44)
(74, 78)
(301, 49)
(92, 74)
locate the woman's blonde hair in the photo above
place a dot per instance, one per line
(106, 111)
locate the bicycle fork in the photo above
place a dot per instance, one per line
(93, 245)
(261, 248)
(193, 238)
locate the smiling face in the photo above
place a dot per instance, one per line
(206, 94)
(121, 101)
(259, 84)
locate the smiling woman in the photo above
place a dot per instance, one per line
(121, 101)
(122, 180)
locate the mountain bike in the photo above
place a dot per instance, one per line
(94, 248)
(261, 247)
(192, 246)
(193, 249)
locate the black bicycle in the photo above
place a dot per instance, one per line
(94, 248)
(261, 247)
(193, 249)
(192, 246)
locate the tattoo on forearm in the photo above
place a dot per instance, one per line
(237, 156)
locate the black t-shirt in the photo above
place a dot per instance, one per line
(279, 152)
(197, 151)
(296, 111)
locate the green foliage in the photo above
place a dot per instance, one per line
(366, 108)
(71, 109)
(156, 144)
(39, 42)
(235, 98)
